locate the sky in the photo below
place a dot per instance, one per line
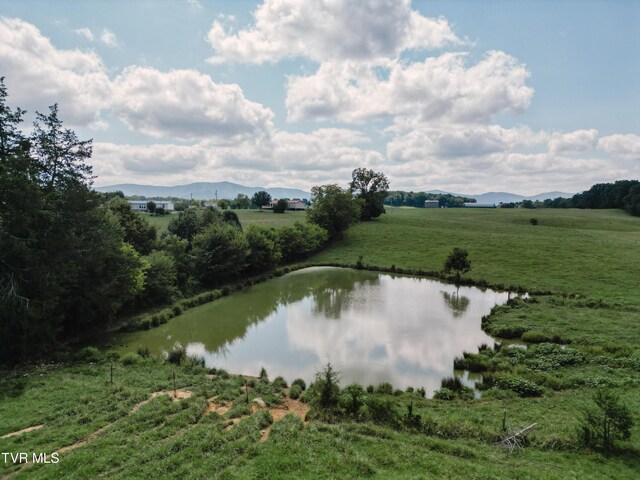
(464, 96)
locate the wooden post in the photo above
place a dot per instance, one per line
(246, 389)
(504, 421)
(175, 392)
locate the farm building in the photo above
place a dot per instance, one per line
(479, 205)
(431, 204)
(295, 204)
(141, 205)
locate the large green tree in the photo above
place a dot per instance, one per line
(64, 268)
(220, 253)
(261, 198)
(333, 209)
(136, 228)
(372, 187)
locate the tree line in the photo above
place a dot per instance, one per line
(622, 194)
(416, 199)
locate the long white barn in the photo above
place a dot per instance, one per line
(141, 205)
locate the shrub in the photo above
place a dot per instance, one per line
(263, 375)
(326, 387)
(88, 354)
(381, 411)
(452, 383)
(371, 389)
(533, 336)
(353, 398)
(533, 221)
(522, 386)
(300, 383)
(143, 352)
(294, 392)
(176, 310)
(443, 394)
(177, 354)
(474, 362)
(508, 331)
(609, 421)
(279, 382)
(130, 359)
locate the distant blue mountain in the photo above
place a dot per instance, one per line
(506, 197)
(201, 190)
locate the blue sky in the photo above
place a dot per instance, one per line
(458, 95)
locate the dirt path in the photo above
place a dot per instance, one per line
(20, 432)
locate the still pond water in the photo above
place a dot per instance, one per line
(373, 327)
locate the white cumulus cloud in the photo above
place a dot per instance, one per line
(329, 29)
(39, 75)
(439, 88)
(626, 146)
(576, 141)
(185, 104)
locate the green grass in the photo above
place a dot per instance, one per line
(591, 255)
(247, 217)
(268, 218)
(594, 253)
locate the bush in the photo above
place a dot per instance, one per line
(508, 331)
(381, 411)
(609, 421)
(474, 362)
(88, 354)
(443, 394)
(294, 392)
(130, 359)
(522, 386)
(300, 383)
(452, 383)
(279, 382)
(533, 336)
(177, 355)
(326, 388)
(352, 399)
(143, 352)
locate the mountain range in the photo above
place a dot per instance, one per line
(506, 197)
(211, 190)
(201, 190)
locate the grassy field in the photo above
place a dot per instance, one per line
(588, 261)
(247, 217)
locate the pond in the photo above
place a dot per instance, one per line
(373, 327)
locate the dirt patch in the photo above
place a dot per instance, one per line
(287, 406)
(290, 406)
(175, 396)
(24, 430)
(219, 408)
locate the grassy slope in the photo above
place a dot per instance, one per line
(247, 217)
(592, 253)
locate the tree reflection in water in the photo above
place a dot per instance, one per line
(456, 302)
